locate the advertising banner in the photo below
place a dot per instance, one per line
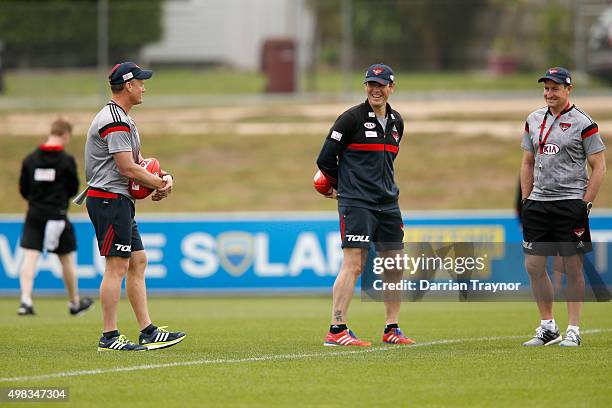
(265, 251)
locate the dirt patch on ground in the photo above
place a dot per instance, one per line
(298, 118)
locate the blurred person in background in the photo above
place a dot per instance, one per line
(48, 179)
(357, 158)
(557, 196)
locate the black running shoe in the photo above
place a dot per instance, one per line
(84, 305)
(25, 310)
(118, 343)
(161, 338)
(544, 337)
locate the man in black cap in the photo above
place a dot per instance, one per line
(357, 159)
(112, 154)
(557, 196)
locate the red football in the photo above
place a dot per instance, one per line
(321, 184)
(136, 190)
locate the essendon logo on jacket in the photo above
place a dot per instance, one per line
(564, 126)
(550, 149)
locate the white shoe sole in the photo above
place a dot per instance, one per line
(104, 349)
(555, 341)
(157, 346)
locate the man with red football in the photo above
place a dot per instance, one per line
(112, 157)
(357, 160)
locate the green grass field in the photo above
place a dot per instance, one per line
(273, 173)
(172, 81)
(267, 352)
(216, 173)
(63, 83)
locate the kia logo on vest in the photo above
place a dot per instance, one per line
(550, 149)
(369, 125)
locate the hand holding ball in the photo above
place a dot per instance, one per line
(138, 191)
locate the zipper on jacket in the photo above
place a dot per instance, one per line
(382, 172)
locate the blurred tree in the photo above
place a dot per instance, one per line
(56, 33)
(556, 39)
(532, 33)
(505, 54)
(417, 34)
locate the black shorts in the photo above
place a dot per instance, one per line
(555, 227)
(361, 226)
(56, 234)
(112, 216)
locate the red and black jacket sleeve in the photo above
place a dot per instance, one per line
(337, 139)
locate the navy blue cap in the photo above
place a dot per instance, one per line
(381, 73)
(559, 75)
(126, 71)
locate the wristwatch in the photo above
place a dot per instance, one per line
(588, 205)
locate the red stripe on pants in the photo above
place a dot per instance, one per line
(108, 240)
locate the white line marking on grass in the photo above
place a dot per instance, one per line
(273, 357)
